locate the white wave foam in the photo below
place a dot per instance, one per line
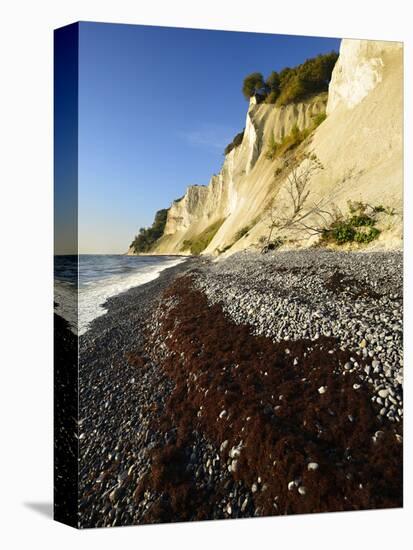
(94, 295)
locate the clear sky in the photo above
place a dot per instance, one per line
(157, 106)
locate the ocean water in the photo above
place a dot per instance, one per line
(98, 278)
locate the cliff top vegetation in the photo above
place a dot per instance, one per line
(292, 84)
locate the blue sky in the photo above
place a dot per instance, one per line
(157, 106)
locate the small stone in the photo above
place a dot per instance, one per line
(383, 393)
(363, 343)
(122, 477)
(224, 445)
(222, 413)
(312, 466)
(101, 477)
(235, 451)
(322, 389)
(302, 490)
(291, 485)
(244, 504)
(114, 495)
(356, 386)
(254, 487)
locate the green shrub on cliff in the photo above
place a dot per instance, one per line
(198, 243)
(318, 119)
(293, 139)
(242, 232)
(273, 83)
(289, 142)
(235, 142)
(147, 236)
(311, 77)
(358, 226)
(293, 84)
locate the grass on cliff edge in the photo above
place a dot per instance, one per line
(198, 243)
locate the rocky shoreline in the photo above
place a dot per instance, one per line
(248, 387)
(354, 297)
(115, 400)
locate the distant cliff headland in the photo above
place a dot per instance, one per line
(318, 162)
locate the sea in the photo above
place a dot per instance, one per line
(84, 283)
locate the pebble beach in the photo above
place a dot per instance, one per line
(255, 385)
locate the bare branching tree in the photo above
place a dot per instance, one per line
(299, 211)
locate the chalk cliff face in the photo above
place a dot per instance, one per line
(358, 71)
(202, 205)
(359, 145)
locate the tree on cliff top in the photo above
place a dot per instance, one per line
(312, 76)
(273, 86)
(253, 83)
(293, 84)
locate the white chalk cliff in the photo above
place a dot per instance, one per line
(359, 144)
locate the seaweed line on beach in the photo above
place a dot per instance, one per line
(295, 432)
(192, 407)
